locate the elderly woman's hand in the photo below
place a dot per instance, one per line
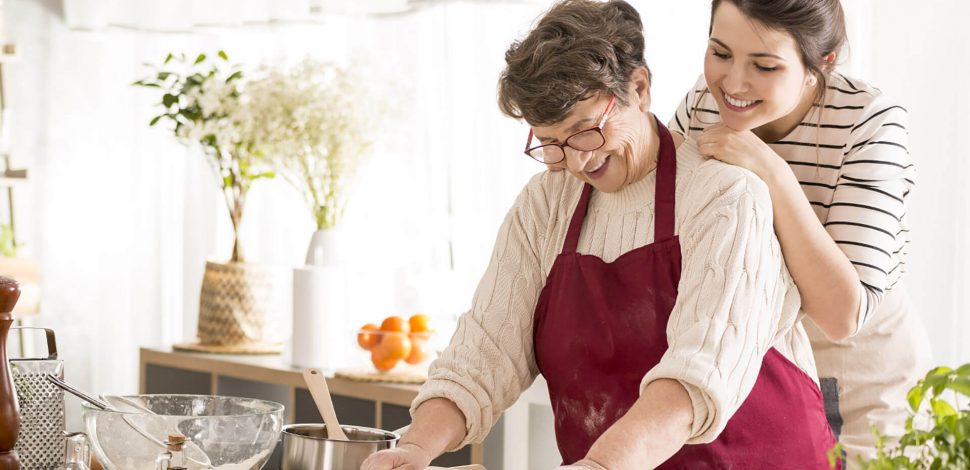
(407, 456)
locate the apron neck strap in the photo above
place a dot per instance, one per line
(666, 190)
(576, 224)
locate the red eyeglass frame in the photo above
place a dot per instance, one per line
(598, 128)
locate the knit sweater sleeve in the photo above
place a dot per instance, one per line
(490, 360)
(731, 297)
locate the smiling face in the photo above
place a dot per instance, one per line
(756, 75)
(630, 149)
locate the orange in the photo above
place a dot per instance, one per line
(395, 323)
(368, 337)
(419, 323)
(381, 362)
(419, 351)
(395, 345)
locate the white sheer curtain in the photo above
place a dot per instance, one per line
(123, 217)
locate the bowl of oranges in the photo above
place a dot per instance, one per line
(398, 343)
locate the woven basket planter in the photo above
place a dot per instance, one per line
(236, 301)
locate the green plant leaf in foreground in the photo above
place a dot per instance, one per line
(942, 441)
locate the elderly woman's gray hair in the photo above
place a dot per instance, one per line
(579, 47)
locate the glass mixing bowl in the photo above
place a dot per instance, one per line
(225, 433)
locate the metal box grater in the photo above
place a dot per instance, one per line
(40, 444)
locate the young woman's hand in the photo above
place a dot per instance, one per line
(741, 148)
(406, 456)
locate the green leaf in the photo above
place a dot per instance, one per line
(235, 75)
(199, 59)
(223, 55)
(937, 379)
(915, 398)
(835, 455)
(189, 113)
(156, 119)
(964, 370)
(163, 75)
(960, 385)
(146, 84)
(169, 99)
(168, 58)
(915, 438)
(941, 408)
(8, 243)
(938, 372)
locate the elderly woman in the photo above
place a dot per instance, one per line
(644, 283)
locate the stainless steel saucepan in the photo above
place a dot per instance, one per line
(307, 446)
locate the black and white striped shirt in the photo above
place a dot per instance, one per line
(850, 155)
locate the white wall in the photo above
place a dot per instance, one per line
(918, 52)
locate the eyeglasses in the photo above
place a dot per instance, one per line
(584, 141)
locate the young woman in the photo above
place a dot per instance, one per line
(833, 151)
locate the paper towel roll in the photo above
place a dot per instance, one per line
(320, 331)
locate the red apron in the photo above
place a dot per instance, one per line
(599, 327)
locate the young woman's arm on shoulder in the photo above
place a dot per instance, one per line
(826, 279)
(842, 266)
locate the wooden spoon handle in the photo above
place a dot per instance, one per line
(317, 384)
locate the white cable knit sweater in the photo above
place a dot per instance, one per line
(736, 299)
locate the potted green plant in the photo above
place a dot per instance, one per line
(944, 442)
(320, 122)
(205, 102)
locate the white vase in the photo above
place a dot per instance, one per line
(320, 330)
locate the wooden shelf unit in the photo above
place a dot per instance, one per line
(371, 404)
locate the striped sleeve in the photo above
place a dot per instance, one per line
(732, 292)
(866, 215)
(682, 117)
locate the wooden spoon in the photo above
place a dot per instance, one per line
(317, 384)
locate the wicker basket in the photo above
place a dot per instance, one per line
(237, 300)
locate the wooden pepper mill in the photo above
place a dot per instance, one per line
(9, 413)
